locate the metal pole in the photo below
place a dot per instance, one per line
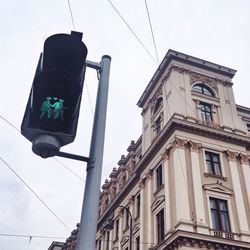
(88, 225)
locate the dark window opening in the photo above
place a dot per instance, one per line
(206, 112)
(219, 214)
(203, 89)
(158, 104)
(159, 177)
(213, 163)
(160, 226)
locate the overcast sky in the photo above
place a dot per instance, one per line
(214, 30)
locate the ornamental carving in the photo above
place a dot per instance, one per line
(178, 143)
(244, 159)
(142, 183)
(195, 147)
(149, 174)
(231, 155)
(165, 155)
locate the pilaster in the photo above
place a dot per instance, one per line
(240, 207)
(200, 217)
(183, 219)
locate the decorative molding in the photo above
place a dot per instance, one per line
(195, 147)
(244, 159)
(157, 202)
(178, 143)
(218, 187)
(136, 228)
(124, 240)
(165, 155)
(149, 174)
(141, 183)
(231, 156)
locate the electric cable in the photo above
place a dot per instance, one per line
(64, 165)
(152, 33)
(137, 38)
(20, 178)
(71, 14)
(32, 236)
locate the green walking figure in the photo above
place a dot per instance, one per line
(46, 108)
(58, 109)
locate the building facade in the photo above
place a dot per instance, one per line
(185, 183)
(186, 180)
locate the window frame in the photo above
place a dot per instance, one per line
(211, 170)
(160, 225)
(137, 243)
(205, 113)
(248, 128)
(159, 176)
(138, 205)
(219, 215)
(117, 229)
(204, 89)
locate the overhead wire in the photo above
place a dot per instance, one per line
(152, 33)
(71, 14)
(34, 193)
(62, 164)
(32, 236)
(73, 24)
(131, 30)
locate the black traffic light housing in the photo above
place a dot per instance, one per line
(51, 115)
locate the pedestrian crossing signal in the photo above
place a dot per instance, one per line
(55, 97)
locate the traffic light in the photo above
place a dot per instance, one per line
(51, 115)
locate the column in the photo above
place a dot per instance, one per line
(200, 218)
(165, 161)
(183, 219)
(240, 207)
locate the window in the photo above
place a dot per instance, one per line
(248, 128)
(137, 242)
(99, 244)
(157, 125)
(117, 229)
(203, 89)
(206, 112)
(219, 214)
(107, 242)
(159, 177)
(160, 226)
(138, 205)
(158, 104)
(213, 163)
(127, 217)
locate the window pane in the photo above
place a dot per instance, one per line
(217, 170)
(215, 220)
(223, 206)
(209, 167)
(207, 156)
(208, 117)
(197, 88)
(213, 204)
(225, 222)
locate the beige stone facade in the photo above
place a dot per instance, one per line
(186, 180)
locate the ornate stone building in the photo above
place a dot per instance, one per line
(185, 183)
(186, 180)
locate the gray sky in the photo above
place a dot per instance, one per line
(217, 31)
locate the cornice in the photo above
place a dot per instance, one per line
(195, 240)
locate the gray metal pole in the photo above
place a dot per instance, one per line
(88, 225)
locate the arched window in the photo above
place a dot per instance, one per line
(203, 89)
(158, 104)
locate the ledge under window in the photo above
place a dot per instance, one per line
(215, 176)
